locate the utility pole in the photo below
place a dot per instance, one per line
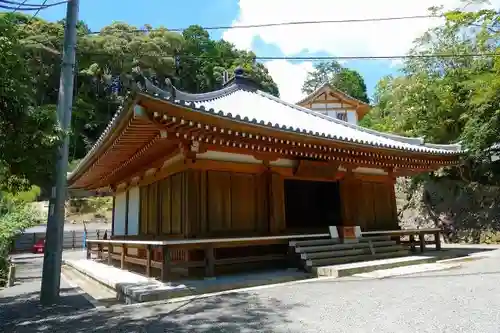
(51, 277)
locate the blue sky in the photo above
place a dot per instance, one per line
(180, 14)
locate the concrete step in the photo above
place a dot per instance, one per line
(375, 238)
(350, 252)
(311, 263)
(369, 266)
(330, 241)
(333, 254)
(335, 247)
(314, 242)
(100, 294)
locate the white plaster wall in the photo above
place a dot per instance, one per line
(120, 211)
(133, 211)
(352, 117)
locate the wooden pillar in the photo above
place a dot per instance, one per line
(191, 203)
(165, 263)
(346, 199)
(437, 240)
(209, 261)
(421, 238)
(148, 260)
(110, 253)
(412, 243)
(113, 218)
(122, 257)
(263, 202)
(126, 212)
(392, 192)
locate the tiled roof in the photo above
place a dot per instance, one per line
(315, 92)
(242, 101)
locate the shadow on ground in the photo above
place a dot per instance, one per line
(241, 312)
(451, 251)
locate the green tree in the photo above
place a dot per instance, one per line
(104, 63)
(344, 79)
(28, 134)
(447, 99)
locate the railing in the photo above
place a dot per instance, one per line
(72, 239)
(411, 233)
(166, 255)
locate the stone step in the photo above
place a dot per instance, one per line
(100, 294)
(375, 238)
(330, 241)
(350, 252)
(335, 247)
(311, 263)
(370, 266)
(333, 254)
(313, 242)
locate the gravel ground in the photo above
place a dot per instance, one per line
(459, 300)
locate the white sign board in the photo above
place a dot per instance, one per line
(334, 233)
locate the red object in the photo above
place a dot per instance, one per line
(39, 246)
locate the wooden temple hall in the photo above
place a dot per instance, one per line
(216, 182)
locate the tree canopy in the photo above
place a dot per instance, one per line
(344, 79)
(30, 60)
(447, 99)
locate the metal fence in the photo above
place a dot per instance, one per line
(73, 239)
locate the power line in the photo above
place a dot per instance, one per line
(309, 58)
(19, 3)
(27, 7)
(267, 25)
(38, 11)
(19, 6)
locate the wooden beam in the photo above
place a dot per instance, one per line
(316, 169)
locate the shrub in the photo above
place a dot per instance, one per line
(19, 217)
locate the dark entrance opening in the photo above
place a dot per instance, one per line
(312, 204)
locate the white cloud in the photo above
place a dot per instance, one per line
(289, 78)
(339, 39)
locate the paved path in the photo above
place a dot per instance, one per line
(20, 303)
(459, 300)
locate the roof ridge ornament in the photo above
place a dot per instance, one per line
(138, 82)
(242, 78)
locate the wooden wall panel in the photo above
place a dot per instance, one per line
(143, 208)
(384, 206)
(262, 202)
(218, 201)
(227, 203)
(368, 204)
(176, 204)
(191, 201)
(368, 210)
(165, 190)
(161, 207)
(203, 202)
(243, 202)
(153, 208)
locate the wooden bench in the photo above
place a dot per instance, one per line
(159, 253)
(421, 233)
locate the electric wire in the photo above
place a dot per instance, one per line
(304, 58)
(38, 11)
(268, 25)
(27, 7)
(19, 6)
